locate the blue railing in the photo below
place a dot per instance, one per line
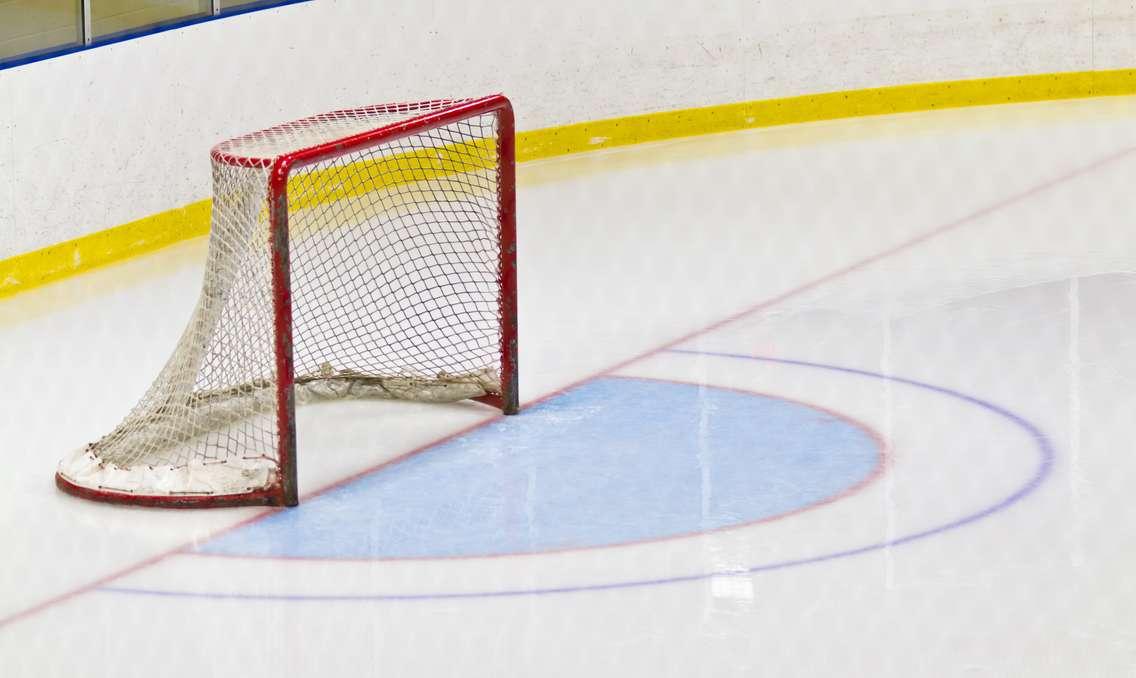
(86, 38)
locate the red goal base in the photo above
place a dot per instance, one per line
(266, 497)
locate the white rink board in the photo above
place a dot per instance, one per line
(103, 137)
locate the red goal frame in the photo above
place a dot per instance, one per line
(436, 113)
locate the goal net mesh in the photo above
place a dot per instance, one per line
(394, 256)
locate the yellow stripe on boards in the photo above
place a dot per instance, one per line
(25, 271)
(51, 263)
(638, 129)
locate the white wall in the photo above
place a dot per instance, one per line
(99, 138)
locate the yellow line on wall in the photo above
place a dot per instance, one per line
(68, 258)
(25, 271)
(637, 129)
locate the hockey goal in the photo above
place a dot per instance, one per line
(366, 253)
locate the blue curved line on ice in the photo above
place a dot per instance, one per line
(1045, 461)
(613, 461)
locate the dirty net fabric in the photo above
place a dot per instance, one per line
(394, 255)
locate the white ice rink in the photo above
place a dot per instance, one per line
(944, 301)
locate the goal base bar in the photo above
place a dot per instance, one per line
(509, 406)
(266, 497)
